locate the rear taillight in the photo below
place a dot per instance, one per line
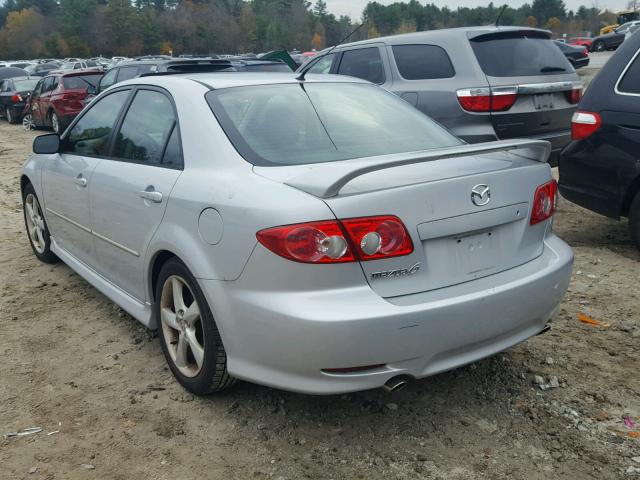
(484, 99)
(575, 95)
(584, 124)
(585, 52)
(16, 98)
(544, 202)
(334, 241)
(378, 237)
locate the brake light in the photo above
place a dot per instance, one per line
(574, 96)
(334, 241)
(584, 124)
(485, 99)
(544, 202)
(378, 237)
(16, 98)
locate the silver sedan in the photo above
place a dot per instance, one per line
(313, 234)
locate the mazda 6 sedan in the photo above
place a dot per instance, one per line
(313, 234)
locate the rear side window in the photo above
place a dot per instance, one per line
(422, 62)
(363, 63)
(515, 54)
(630, 83)
(91, 134)
(146, 128)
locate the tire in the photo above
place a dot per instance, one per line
(634, 220)
(55, 122)
(36, 226)
(599, 46)
(27, 122)
(182, 332)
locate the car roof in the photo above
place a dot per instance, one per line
(469, 32)
(220, 80)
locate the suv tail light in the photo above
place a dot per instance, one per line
(544, 202)
(16, 98)
(574, 95)
(485, 99)
(584, 124)
(339, 241)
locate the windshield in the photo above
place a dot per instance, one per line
(294, 124)
(519, 54)
(81, 81)
(25, 85)
(67, 65)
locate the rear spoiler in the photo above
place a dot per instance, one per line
(327, 179)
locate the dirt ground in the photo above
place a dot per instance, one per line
(72, 362)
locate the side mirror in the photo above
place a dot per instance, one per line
(92, 90)
(46, 144)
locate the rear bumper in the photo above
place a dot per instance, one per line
(285, 339)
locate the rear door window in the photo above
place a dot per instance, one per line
(108, 79)
(630, 82)
(422, 62)
(519, 54)
(146, 129)
(365, 63)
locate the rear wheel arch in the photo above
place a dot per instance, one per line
(159, 259)
(632, 191)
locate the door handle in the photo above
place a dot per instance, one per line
(80, 180)
(151, 195)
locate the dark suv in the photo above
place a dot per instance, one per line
(482, 83)
(149, 65)
(600, 168)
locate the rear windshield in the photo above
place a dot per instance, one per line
(291, 124)
(81, 81)
(24, 85)
(519, 55)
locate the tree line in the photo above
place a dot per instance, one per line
(83, 28)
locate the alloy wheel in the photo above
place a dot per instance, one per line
(27, 122)
(55, 123)
(35, 223)
(182, 327)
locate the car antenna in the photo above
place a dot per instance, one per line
(504, 7)
(300, 77)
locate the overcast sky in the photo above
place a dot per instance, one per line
(354, 8)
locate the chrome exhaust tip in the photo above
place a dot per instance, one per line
(396, 383)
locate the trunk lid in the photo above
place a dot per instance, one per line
(454, 239)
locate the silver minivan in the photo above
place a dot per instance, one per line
(482, 83)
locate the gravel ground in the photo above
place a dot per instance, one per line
(75, 364)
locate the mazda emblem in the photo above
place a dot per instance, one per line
(480, 195)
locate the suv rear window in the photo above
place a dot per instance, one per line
(322, 122)
(515, 54)
(630, 83)
(422, 62)
(81, 81)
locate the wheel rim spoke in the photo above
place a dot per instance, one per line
(29, 210)
(40, 237)
(181, 351)
(192, 314)
(196, 349)
(178, 298)
(169, 318)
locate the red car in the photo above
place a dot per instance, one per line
(581, 41)
(58, 98)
